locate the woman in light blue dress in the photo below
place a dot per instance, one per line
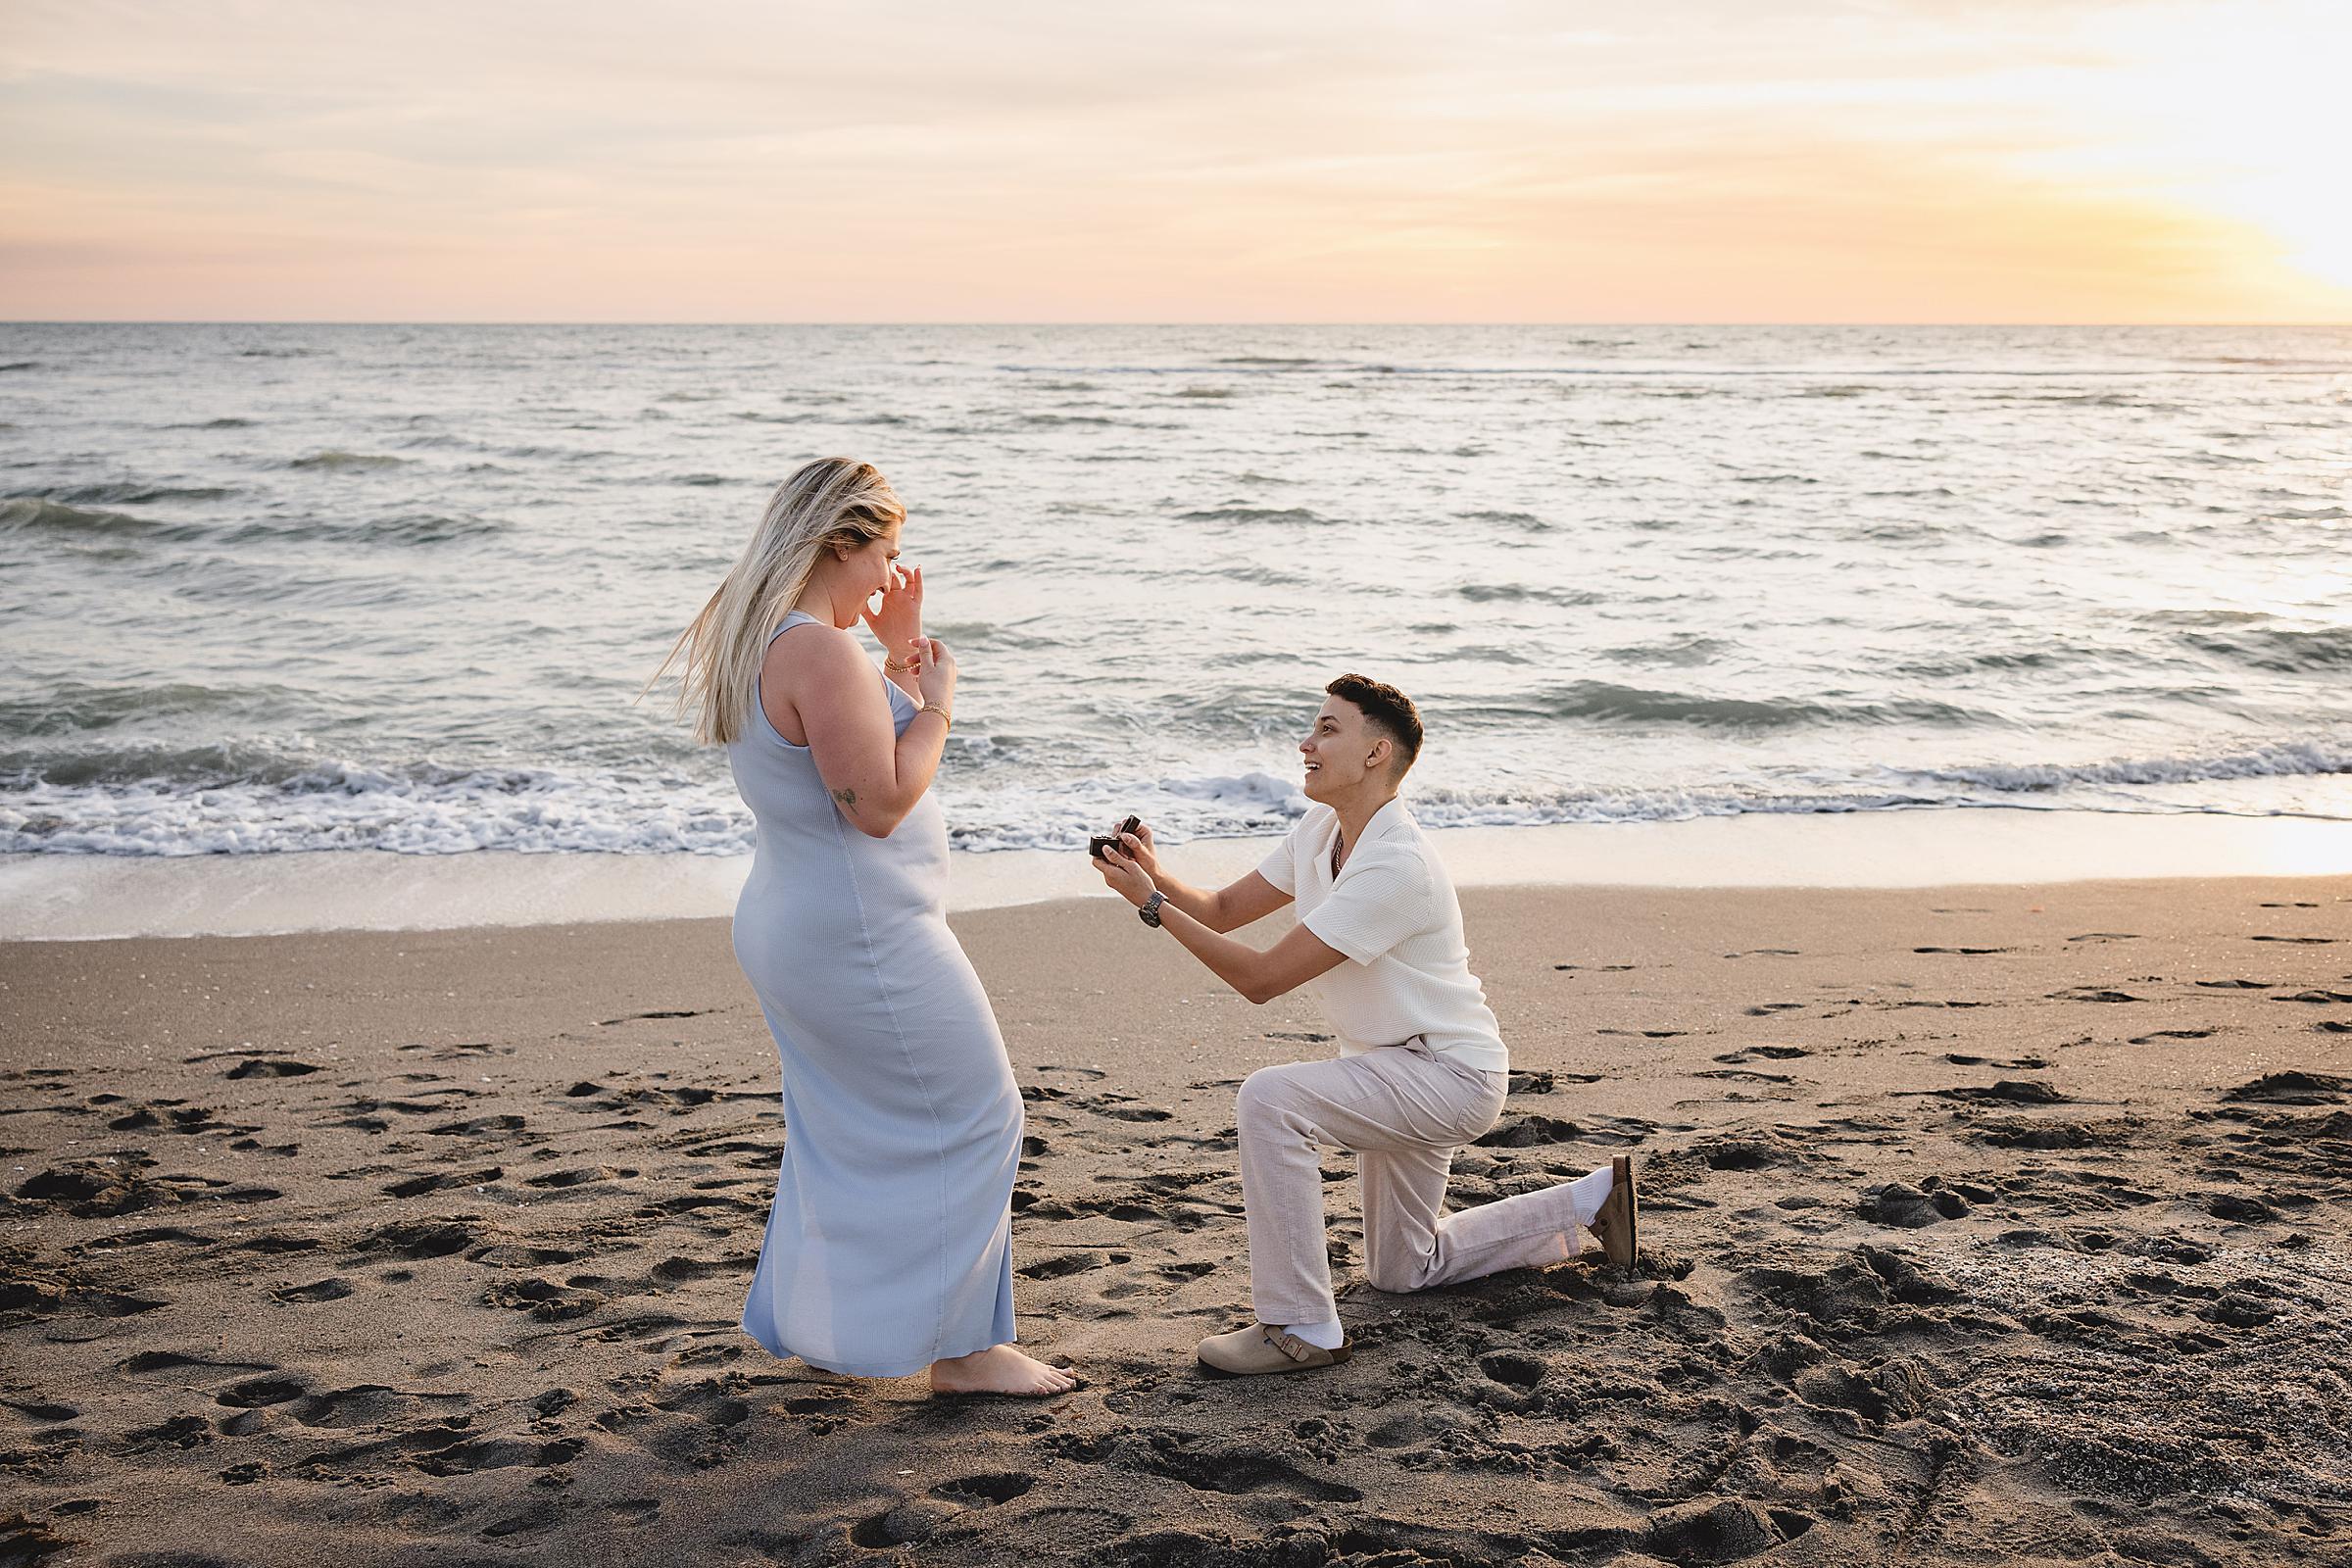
(889, 1249)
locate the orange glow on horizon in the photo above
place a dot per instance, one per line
(1495, 162)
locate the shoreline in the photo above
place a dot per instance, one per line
(98, 898)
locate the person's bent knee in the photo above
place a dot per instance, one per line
(1257, 1103)
(1398, 1277)
(1257, 1090)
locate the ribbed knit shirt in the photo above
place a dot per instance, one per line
(1393, 912)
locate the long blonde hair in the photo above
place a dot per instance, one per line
(833, 501)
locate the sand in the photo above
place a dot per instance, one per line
(1986, 1224)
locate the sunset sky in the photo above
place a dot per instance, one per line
(1689, 161)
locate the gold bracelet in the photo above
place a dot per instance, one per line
(944, 716)
(894, 667)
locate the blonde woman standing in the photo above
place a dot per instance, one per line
(889, 1249)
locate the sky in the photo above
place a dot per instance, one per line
(1961, 161)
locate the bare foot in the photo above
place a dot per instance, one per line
(1000, 1370)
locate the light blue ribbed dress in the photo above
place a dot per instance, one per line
(890, 1244)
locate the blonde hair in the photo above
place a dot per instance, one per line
(833, 501)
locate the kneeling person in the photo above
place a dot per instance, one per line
(1422, 1068)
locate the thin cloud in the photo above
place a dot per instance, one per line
(1484, 161)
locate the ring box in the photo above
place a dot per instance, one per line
(1104, 841)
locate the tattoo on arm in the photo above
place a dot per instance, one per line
(848, 799)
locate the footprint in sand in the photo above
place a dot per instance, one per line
(530, 1521)
(985, 1491)
(1523, 1132)
(470, 1456)
(1055, 1268)
(2118, 1134)
(180, 1432)
(1121, 1107)
(267, 1067)
(1764, 1053)
(462, 1050)
(546, 1301)
(679, 1270)
(2294, 1089)
(1230, 1469)
(823, 1410)
(581, 1177)
(1898, 1204)
(413, 1239)
(1511, 1370)
(475, 1127)
(326, 1289)
(2006, 1091)
(1541, 1082)
(1749, 1153)
(159, 1363)
(255, 1392)
(419, 1186)
(511, 1254)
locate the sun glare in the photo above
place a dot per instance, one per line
(2239, 113)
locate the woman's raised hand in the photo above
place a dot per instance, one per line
(934, 671)
(899, 621)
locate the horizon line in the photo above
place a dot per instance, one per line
(139, 320)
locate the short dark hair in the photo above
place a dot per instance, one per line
(1386, 710)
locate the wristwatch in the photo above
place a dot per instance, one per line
(1148, 912)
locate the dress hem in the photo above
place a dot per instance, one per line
(893, 1370)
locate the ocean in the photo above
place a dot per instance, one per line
(288, 588)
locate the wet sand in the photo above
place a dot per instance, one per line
(1986, 1224)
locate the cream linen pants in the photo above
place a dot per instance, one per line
(1403, 1110)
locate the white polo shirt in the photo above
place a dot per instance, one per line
(1393, 910)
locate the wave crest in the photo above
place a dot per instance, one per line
(336, 460)
(1296, 517)
(227, 800)
(2286, 650)
(36, 514)
(1605, 702)
(2290, 759)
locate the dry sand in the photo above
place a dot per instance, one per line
(1986, 1225)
